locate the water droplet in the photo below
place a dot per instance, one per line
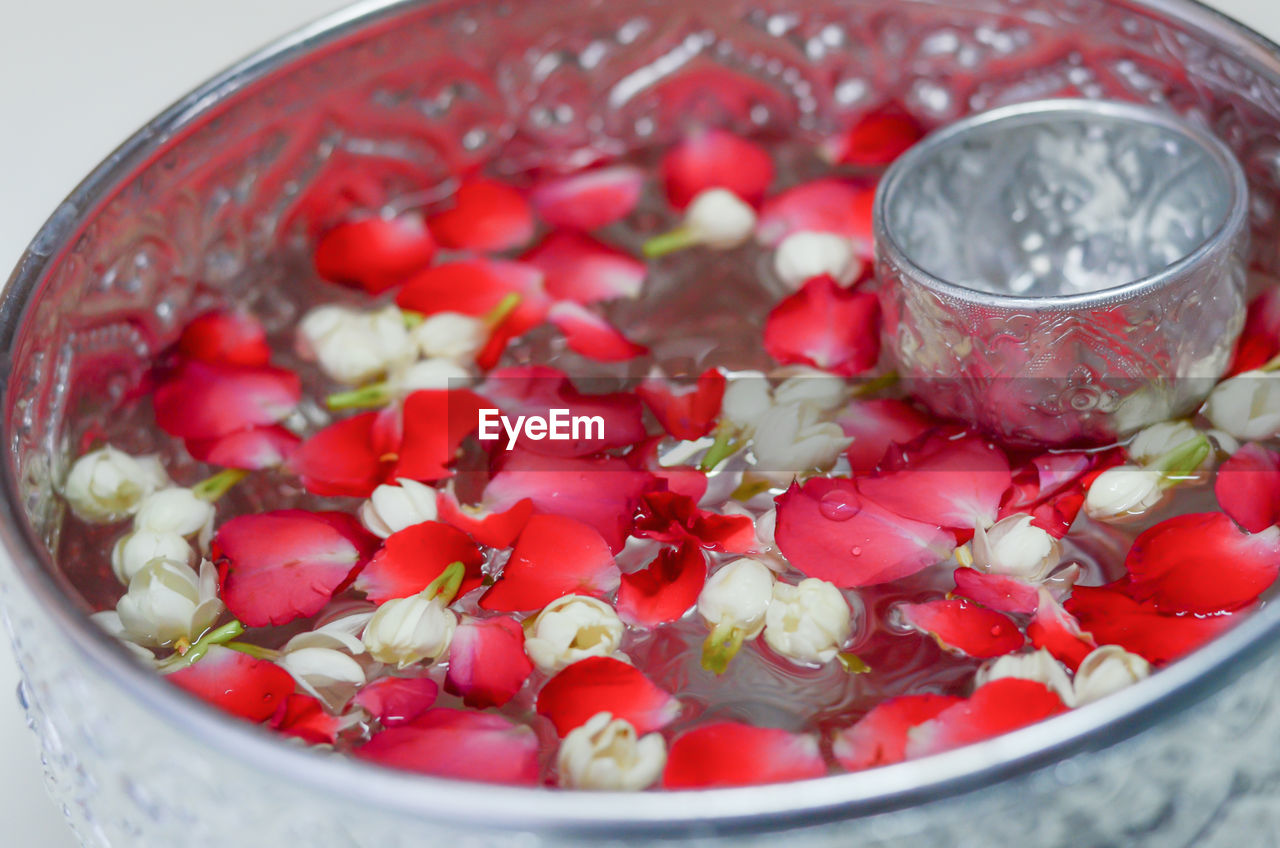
(839, 505)
(856, 551)
(997, 629)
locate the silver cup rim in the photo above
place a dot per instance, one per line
(888, 246)
(606, 815)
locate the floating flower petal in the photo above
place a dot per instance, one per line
(664, 590)
(589, 200)
(583, 270)
(374, 254)
(825, 326)
(968, 628)
(459, 744)
(486, 216)
(728, 753)
(409, 560)
(605, 684)
(554, 556)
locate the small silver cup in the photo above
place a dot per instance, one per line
(1063, 271)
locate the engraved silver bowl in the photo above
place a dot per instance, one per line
(1063, 271)
(412, 92)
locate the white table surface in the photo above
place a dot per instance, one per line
(79, 76)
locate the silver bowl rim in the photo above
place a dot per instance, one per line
(551, 812)
(1223, 236)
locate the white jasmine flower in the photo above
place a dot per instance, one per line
(804, 255)
(354, 347)
(738, 595)
(791, 438)
(746, 398)
(1039, 666)
(168, 601)
(605, 754)
(329, 674)
(450, 335)
(1247, 406)
(1123, 491)
(404, 631)
(107, 484)
(342, 633)
(109, 621)
(429, 374)
(1015, 547)
(1159, 439)
(390, 508)
(808, 622)
(175, 510)
(824, 392)
(1108, 669)
(572, 628)
(720, 220)
(134, 550)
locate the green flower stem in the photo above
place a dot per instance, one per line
(721, 647)
(1182, 461)
(749, 488)
(212, 488)
(256, 651)
(447, 584)
(495, 316)
(724, 446)
(669, 242)
(853, 663)
(877, 384)
(411, 319)
(371, 396)
(217, 636)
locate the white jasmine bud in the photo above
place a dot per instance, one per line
(1159, 439)
(1015, 547)
(1247, 406)
(733, 603)
(605, 754)
(341, 634)
(133, 551)
(1039, 666)
(824, 392)
(429, 374)
(109, 621)
(405, 631)
(329, 674)
(804, 255)
(390, 508)
(450, 335)
(746, 398)
(168, 601)
(107, 484)
(720, 220)
(1123, 491)
(354, 347)
(1108, 669)
(791, 439)
(178, 511)
(808, 622)
(572, 628)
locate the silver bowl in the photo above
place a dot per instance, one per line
(410, 93)
(1063, 271)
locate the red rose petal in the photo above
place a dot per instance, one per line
(876, 139)
(343, 458)
(202, 400)
(374, 254)
(476, 287)
(602, 493)
(712, 158)
(583, 270)
(685, 412)
(495, 529)
(997, 591)
(1114, 618)
(1248, 487)
(1058, 632)
(665, 589)
(487, 662)
(875, 426)
(253, 449)
(728, 753)
(1260, 340)
(592, 336)
(672, 517)
(434, 423)
(305, 718)
(410, 559)
(825, 206)
(998, 707)
(236, 683)
(486, 216)
(459, 744)
(274, 567)
(591, 199)
(961, 626)
(956, 482)
(1202, 563)
(226, 336)
(604, 684)
(827, 530)
(879, 738)
(825, 326)
(554, 556)
(397, 700)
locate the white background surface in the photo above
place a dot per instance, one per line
(78, 77)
